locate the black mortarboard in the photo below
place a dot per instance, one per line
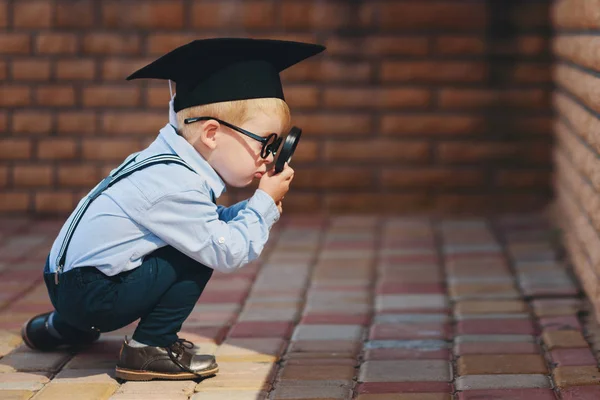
(215, 70)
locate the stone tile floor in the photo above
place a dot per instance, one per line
(345, 307)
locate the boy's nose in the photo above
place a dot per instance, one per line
(270, 158)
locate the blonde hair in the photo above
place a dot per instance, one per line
(237, 112)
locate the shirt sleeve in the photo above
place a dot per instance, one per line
(228, 213)
(189, 221)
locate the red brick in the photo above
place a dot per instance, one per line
(54, 202)
(455, 45)
(530, 45)
(262, 329)
(406, 354)
(302, 96)
(30, 70)
(161, 43)
(438, 15)
(569, 322)
(158, 96)
(15, 149)
(75, 69)
(495, 327)
(507, 394)
(496, 348)
(32, 122)
(3, 176)
(403, 387)
(14, 95)
(55, 95)
(249, 14)
(334, 124)
(413, 288)
(56, 43)
(377, 98)
(32, 14)
(431, 177)
(433, 71)
(335, 319)
(573, 357)
(362, 202)
(115, 69)
(3, 14)
(32, 175)
(83, 176)
(533, 152)
(108, 149)
(78, 14)
(147, 15)
(325, 15)
(106, 96)
(482, 98)
(14, 201)
(75, 122)
(111, 43)
(14, 43)
(56, 149)
(379, 150)
(431, 124)
(529, 73)
(522, 178)
(333, 178)
(3, 70)
(377, 45)
(139, 123)
(349, 71)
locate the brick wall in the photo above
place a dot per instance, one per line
(577, 132)
(417, 105)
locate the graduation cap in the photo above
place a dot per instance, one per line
(225, 69)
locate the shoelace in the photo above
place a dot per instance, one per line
(177, 349)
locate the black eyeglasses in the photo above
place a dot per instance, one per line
(270, 143)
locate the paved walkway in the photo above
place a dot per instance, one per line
(376, 309)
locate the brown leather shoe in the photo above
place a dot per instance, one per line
(174, 362)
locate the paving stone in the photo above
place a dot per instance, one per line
(505, 381)
(467, 317)
(76, 391)
(431, 345)
(405, 371)
(86, 375)
(230, 395)
(22, 381)
(308, 392)
(564, 322)
(149, 396)
(248, 350)
(16, 394)
(283, 314)
(409, 318)
(241, 375)
(462, 349)
(403, 288)
(29, 360)
(501, 364)
(573, 357)
(409, 331)
(576, 376)
(410, 301)
(507, 394)
(317, 373)
(495, 326)
(336, 319)
(489, 306)
(406, 354)
(264, 329)
(321, 361)
(478, 291)
(403, 387)
(581, 393)
(328, 332)
(331, 348)
(556, 307)
(494, 338)
(163, 387)
(563, 339)
(406, 396)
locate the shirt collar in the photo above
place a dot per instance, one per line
(186, 151)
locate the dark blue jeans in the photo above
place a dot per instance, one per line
(162, 292)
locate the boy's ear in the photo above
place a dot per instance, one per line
(208, 133)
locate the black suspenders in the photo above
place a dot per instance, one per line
(125, 170)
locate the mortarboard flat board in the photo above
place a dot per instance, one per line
(225, 69)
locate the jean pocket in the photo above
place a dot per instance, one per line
(87, 275)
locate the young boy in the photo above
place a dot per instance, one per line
(144, 243)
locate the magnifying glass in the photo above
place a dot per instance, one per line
(288, 148)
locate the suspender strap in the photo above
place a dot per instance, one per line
(125, 170)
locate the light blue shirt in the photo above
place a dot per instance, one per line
(168, 204)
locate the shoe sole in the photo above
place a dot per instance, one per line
(132, 375)
(25, 337)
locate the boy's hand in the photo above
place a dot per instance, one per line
(277, 185)
(279, 207)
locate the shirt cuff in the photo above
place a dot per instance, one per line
(263, 204)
